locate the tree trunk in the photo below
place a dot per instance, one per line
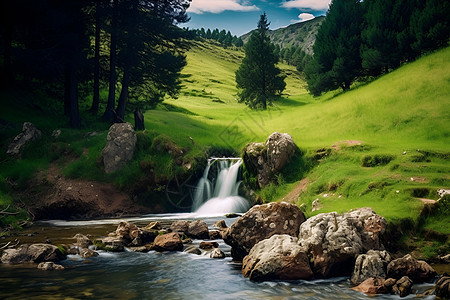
(8, 76)
(123, 97)
(109, 112)
(75, 120)
(66, 91)
(96, 99)
(138, 120)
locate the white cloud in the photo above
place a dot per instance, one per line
(218, 6)
(305, 17)
(307, 4)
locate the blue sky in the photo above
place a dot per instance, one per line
(241, 16)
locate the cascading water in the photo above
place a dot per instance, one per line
(223, 198)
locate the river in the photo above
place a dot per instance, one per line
(152, 275)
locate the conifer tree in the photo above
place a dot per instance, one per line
(337, 61)
(258, 79)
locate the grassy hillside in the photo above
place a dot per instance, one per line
(400, 119)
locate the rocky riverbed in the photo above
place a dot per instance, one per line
(271, 243)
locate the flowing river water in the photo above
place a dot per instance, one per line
(152, 275)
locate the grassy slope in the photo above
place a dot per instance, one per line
(402, 111)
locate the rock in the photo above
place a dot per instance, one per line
(402, 287)
(214, 235)
(444, 259)
(29, 133)
(48, 265)
(280, 149)
(208, 245)
(82, 241)
(372, 286)
(279, 257)
(180, 226)
(198, 230)
(110, 243)
(56, 133)
(120, 145)
(389, 283)
(373, 264)
(168, 242)
(86, 253)
(220, 224)
(34, 253)
(417, 270)
(443, 192)
(217, 253)
(140, 249)
(443, 288)
(193, 250)
(134, 236)
(232, 215)
(267, 160)
(153, 226)
(316, 205)
(260, 223)
(335, 240)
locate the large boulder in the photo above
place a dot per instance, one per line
(334, 241)
(198, 230)
(279, 257)
(280, 149)
(34, 253)
(260, 223)
(120, 145)
(29, 133)
(373, 264)
(268, 159)
(168, 242)
(417, 270)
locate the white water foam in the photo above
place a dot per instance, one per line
(224, 197)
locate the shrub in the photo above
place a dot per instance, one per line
(376, 160)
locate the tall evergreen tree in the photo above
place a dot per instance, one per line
(258, 79)
(337, 59)
(430, 25)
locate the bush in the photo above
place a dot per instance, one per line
(376, 160)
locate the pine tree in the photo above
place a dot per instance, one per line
(258, 79)
(337, 61)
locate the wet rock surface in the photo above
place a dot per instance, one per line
(279, 257)
(260, 223)
(34, 253)
(334, 241)
(417, 270)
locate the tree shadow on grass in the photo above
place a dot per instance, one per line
(283, 101)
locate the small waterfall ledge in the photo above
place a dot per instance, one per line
(223, 197)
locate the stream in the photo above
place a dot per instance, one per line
(152, 275)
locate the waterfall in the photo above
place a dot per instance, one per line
(222, 197)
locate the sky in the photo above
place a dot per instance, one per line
(241, 16)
